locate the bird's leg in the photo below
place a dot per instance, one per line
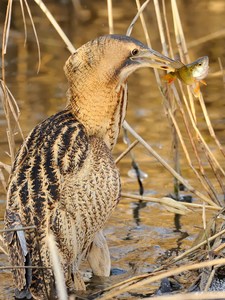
(98, 256)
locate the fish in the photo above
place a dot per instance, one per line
(190, 74)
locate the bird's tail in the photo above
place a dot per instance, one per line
(18, 254)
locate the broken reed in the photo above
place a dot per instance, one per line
(139, 281)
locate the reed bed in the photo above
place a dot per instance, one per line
(188, 141)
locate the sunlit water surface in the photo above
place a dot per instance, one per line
(138, 234)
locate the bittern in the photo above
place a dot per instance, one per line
(64, 180)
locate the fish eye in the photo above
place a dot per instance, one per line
(135, 51)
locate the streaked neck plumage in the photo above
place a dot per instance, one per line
(97, 96)
(101, 109)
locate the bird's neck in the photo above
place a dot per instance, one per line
(101, 111)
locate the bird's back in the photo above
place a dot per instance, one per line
(62, 181)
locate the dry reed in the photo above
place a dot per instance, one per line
(128, 285)
(57, 269)
(191, 296)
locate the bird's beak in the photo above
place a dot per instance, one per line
(151, 58)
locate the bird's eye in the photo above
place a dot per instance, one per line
(200, 64)
(135, 51)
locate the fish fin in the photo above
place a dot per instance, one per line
(169, 78)
(203, 82)
(196, 89)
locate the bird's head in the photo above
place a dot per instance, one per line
(113, 58)
(97, 74)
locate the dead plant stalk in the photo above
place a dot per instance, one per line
(128, 287)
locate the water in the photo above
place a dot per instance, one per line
(138, 234)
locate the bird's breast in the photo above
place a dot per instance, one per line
(91, 195)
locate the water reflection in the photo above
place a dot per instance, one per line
(138, 232)
(136, 211)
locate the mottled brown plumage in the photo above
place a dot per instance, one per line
(64, 179)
